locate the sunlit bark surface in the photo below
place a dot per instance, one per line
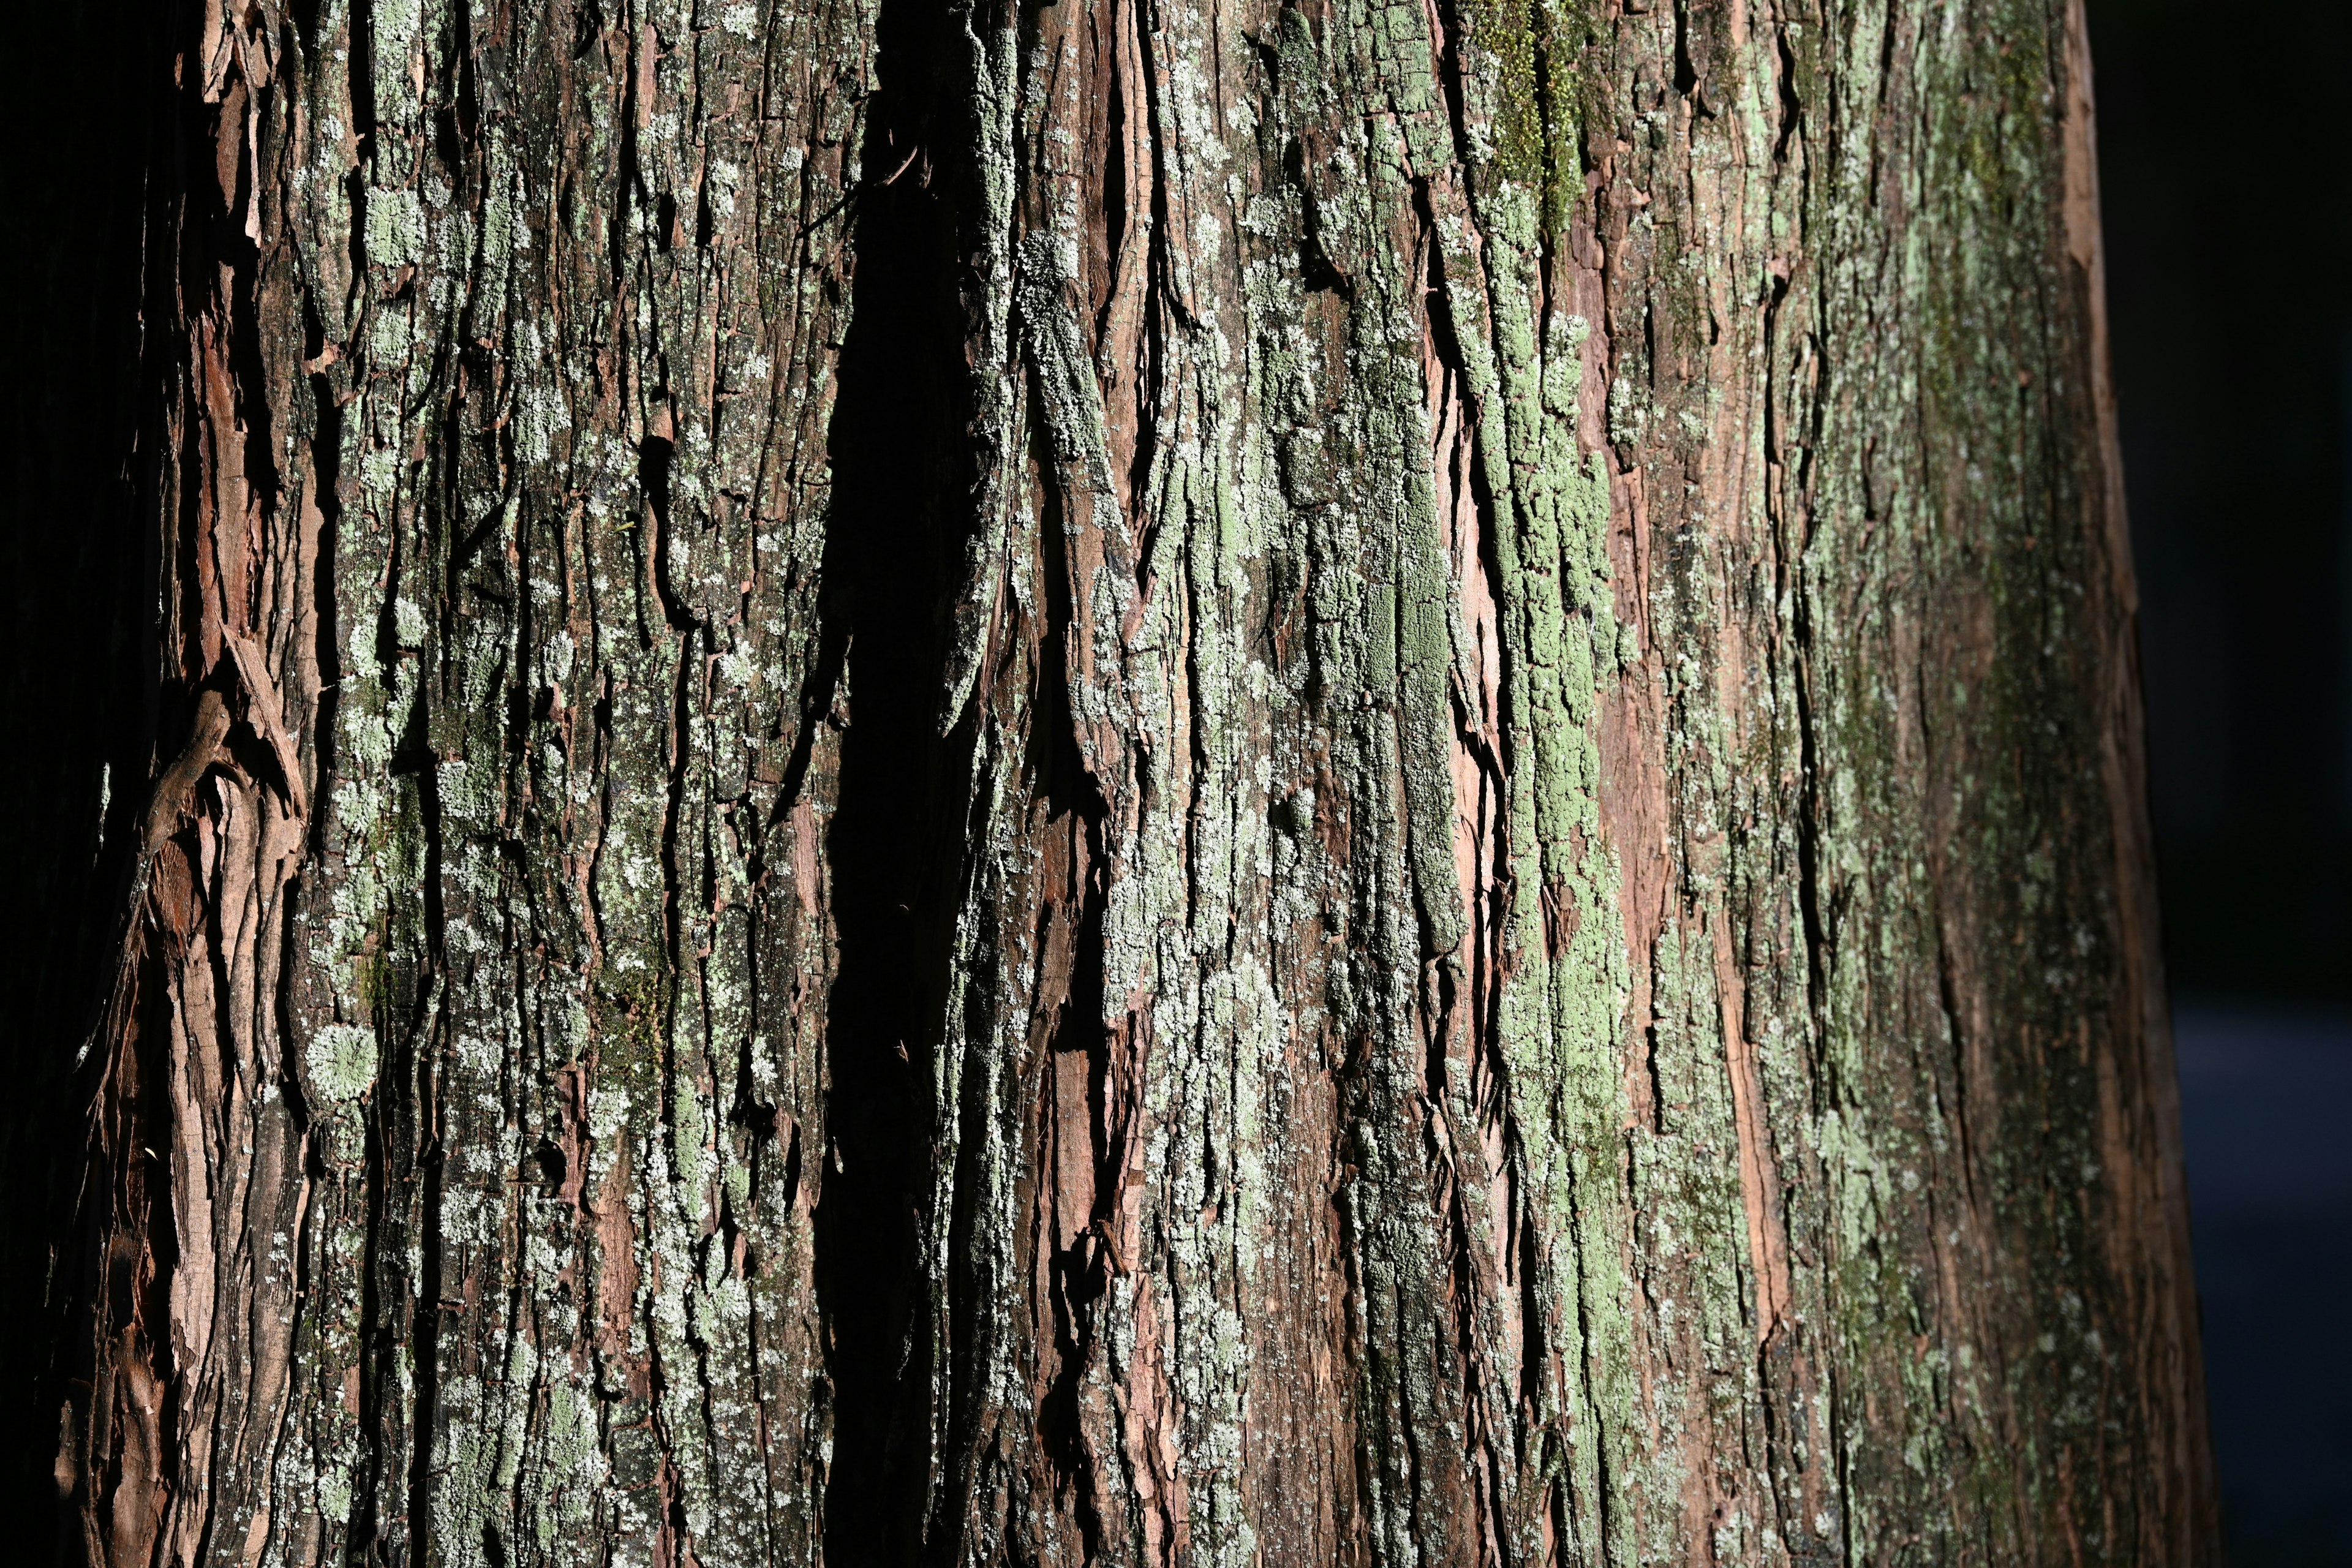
(1131, 782)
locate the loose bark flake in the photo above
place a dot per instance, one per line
(1135, 782)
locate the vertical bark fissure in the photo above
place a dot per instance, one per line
(894, 537)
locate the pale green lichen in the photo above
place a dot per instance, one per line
(343, 1062)
(396, 228)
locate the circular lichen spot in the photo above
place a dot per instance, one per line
(342, 1060)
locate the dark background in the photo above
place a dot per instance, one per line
(2226, 171)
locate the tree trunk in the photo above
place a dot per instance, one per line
(1119, 782)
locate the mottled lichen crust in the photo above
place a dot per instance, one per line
(550, 301)
(1515, 926)
(1497, 509)
(582, 412)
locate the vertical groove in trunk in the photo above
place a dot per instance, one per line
(894, 538)
(1129, 783)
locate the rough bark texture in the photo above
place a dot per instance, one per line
(1128, 781)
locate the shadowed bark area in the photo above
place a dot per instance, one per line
(75, 660)
(1129, 783)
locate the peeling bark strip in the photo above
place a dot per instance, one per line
(1118, 782)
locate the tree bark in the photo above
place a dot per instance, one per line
(1122, 781)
